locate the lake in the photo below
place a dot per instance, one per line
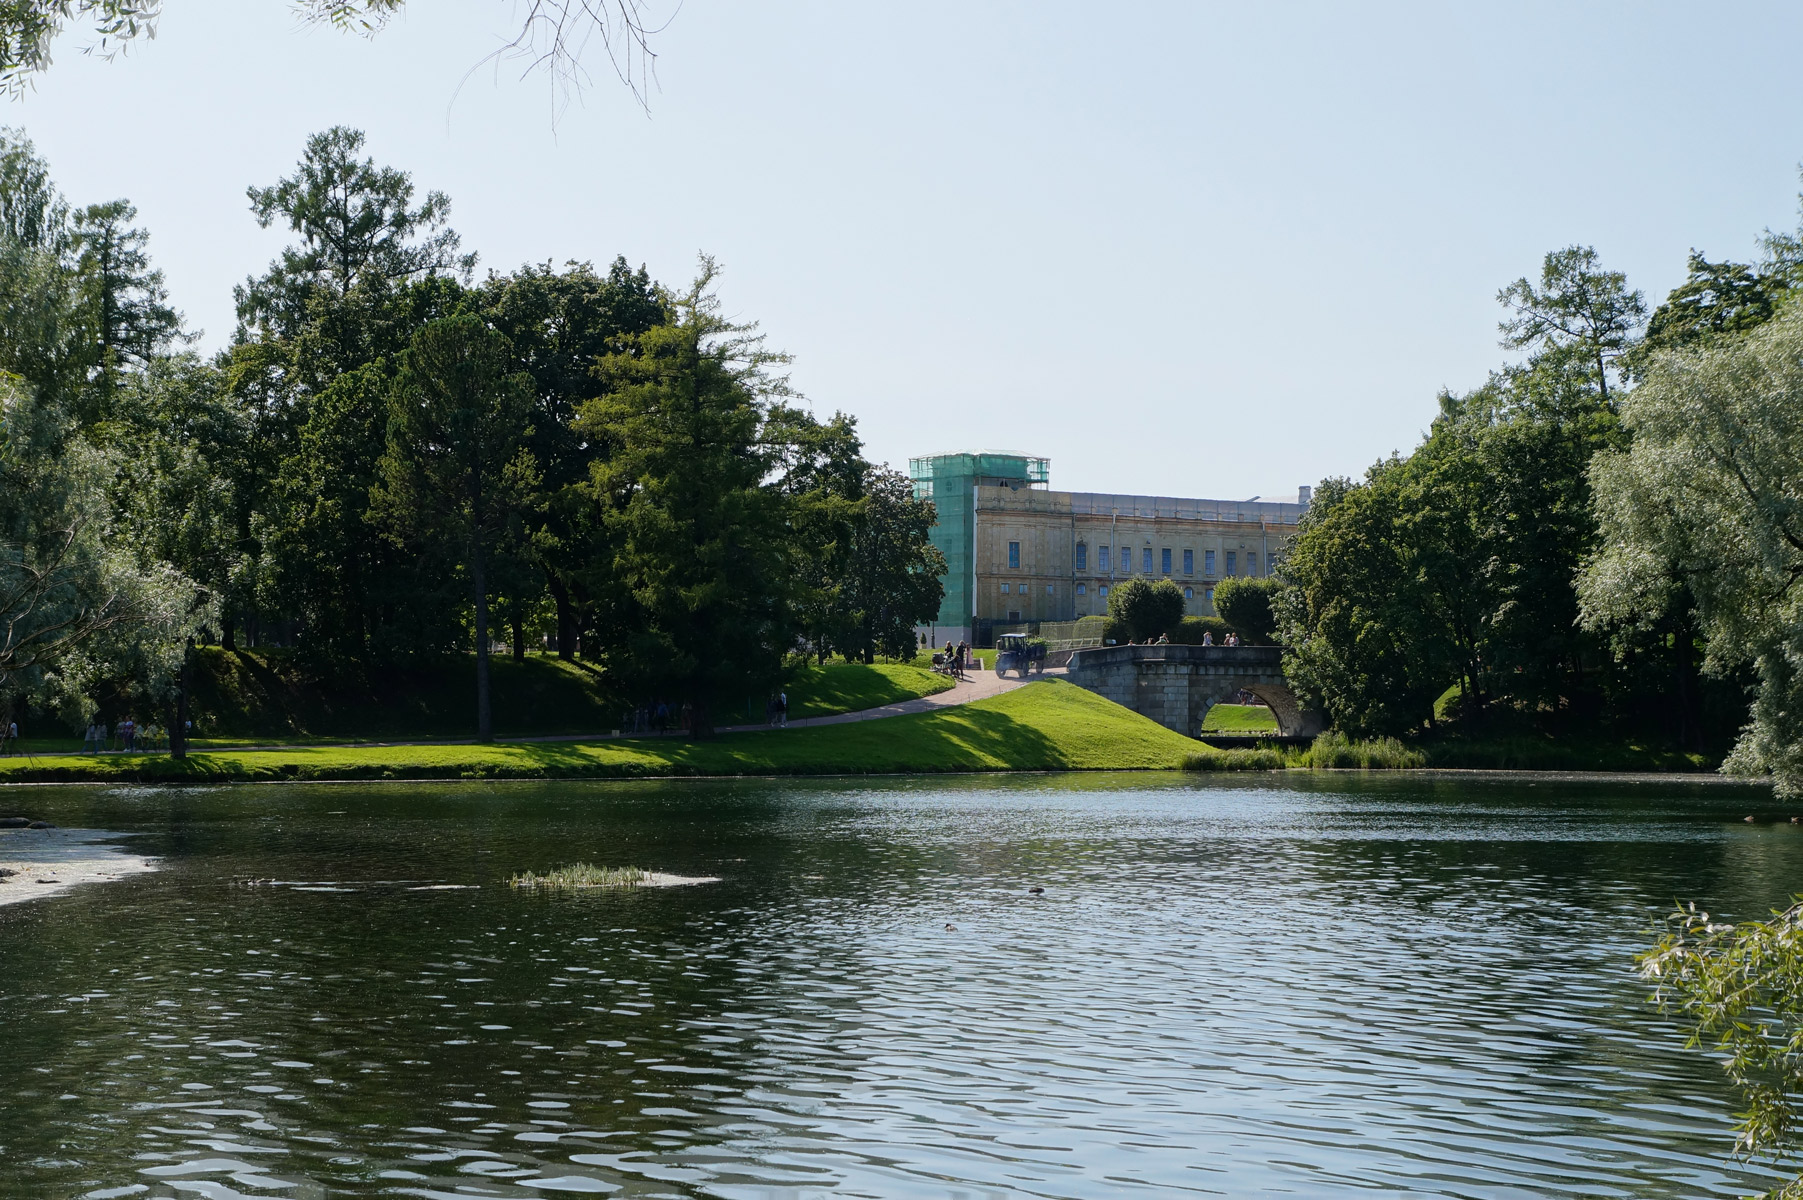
(1321, 986)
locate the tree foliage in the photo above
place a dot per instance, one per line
(1147, 608)
(1245, 603)
(1704, 502)
(1740, 987)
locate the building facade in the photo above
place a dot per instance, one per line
(1018, 552)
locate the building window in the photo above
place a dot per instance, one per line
(1082, 557)
(1004, 589)
(1208, 594)
(1103, 559)
(1208, 562)
(1251, 564)
(1165, 561)
(1103, 590)
(1189, 593)
(1231, 565)
(1126, 560)
(1048, 589)
(1082, 589)
(1013, 616)
(1145, 561)
(1189, 562)
(1014, 555)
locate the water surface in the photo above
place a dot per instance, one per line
(1318, 987)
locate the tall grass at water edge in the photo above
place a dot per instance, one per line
(1330, 750)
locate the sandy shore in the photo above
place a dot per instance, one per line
(44, 862)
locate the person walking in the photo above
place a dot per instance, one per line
(782, 709)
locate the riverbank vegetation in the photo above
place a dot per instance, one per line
(397, 468)
(1597, 549)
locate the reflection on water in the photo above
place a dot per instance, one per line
(1315, 987)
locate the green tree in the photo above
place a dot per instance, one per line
(1148, 609)
(1579, 311)
(1714, 299)
(79, 604)
(1362, 640)
(1245, 603)
(457, 465)
(560, 323)
(700, 534)
(358, 227)
(1704, 499)
(126, 302)
(893, 575)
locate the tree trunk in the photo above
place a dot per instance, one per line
(178, 728)
(485, 731)
(519, 630)
(228, 633)
(566, 619)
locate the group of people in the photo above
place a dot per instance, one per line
(658, 718)
(953, 659)
(127, 737)
(1208, 639)
(776, 709)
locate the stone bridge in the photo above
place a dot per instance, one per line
(1177, 685)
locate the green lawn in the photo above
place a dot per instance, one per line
(1239, 718)
(837, 687)
(1048, 725)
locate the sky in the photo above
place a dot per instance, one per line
(1184, 249)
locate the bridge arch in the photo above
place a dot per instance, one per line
(1177, 685)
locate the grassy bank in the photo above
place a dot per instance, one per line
(268, 697)
(1049, 725)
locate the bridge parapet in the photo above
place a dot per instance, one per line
(1177, 685)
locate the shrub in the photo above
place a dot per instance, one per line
(1335, 749)
(1263, 758)
(1146, 608)
(1246, 604)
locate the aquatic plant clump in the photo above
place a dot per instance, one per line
(582, 875)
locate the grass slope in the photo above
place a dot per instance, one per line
(819, 691)
(1239, 718)
(1048, 725)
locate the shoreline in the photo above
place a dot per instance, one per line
(35, 863)
(1550, 775)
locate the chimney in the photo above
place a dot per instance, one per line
(1304, 494)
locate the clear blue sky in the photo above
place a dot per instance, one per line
(1189, 249)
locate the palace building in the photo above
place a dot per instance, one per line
(1017, 552)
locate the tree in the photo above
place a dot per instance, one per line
(1579, 310)
(1715, 299)
(560, 324)
(456, 464)
(893, 578)
(1245, 603)
(1741, 987)
(1146, 608)
(1362, 639)
(125, 298)
(78, 604)
(1704, 498)
(701, 546)
(357, 227)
